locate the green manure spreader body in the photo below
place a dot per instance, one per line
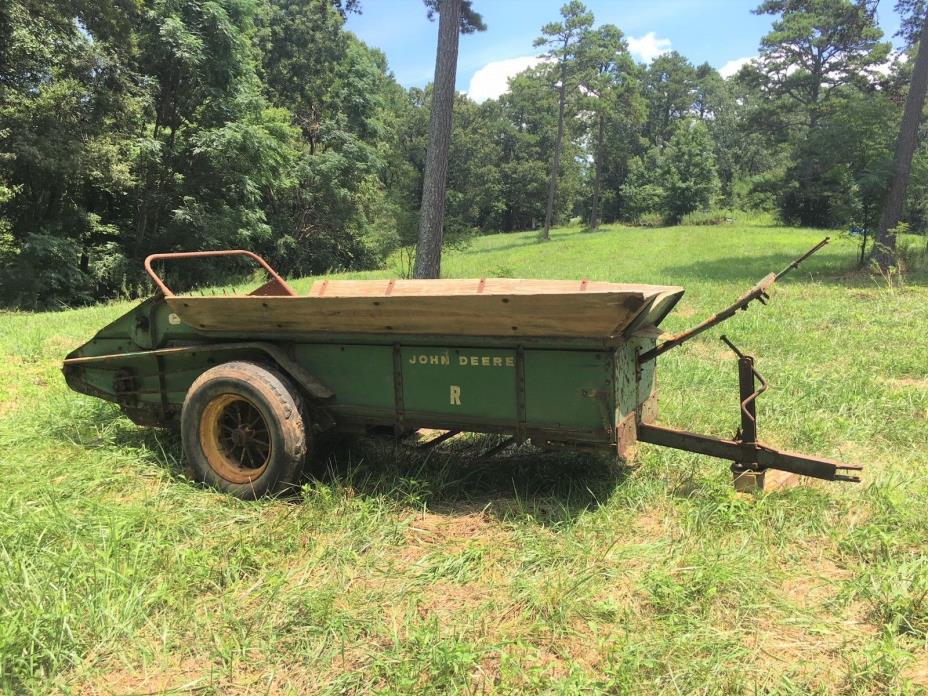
(569, 390)
(256, 381)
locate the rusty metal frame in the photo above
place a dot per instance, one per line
(746, 451)
(754, 455)
(313, 386)
(166, 291)
(438, 439)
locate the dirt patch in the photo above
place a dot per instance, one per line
(711, 351)
(907, 383)
(652, 523)
(167, 676)
(917, 672)
(487, 674)
(780, 650)
(807, 632)
(7, 405)
(431, 535)
(437, 528)
(819, 585)
(446, 600)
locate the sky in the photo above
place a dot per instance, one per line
(723, 33)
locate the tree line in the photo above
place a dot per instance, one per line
(142, 126)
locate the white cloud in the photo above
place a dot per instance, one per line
(894, 57)
(648, 47)
(492, 79)
(733, 66)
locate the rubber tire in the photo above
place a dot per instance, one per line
(282, 408)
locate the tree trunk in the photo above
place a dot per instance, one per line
(884, 245)
(556, 160)
(432, 213)
(598, 180)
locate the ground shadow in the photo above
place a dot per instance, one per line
(548, 486)
(526, 242)
(834, 269)
(100, 425)
(551, 487)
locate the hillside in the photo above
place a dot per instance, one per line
(431, 574)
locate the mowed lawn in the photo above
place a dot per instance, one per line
(396, 572)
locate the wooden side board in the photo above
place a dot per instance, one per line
(474, 286)
(570, 314)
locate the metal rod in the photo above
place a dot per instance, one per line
(758, 292)
(435, 441)
(166, 291)
(795, 264)
(747, 373)
(748, 397)
(495, 449)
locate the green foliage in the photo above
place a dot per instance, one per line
(642, 192)
(822, 58)
(129, 128)
(526, 119)
(187, 124)
(674, 180)
(669, 87)
(688, 171)
(714, 216)
(471, 21)
(564, 39)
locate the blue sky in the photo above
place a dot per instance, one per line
(720, 32)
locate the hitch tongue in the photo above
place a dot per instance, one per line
(814, 467)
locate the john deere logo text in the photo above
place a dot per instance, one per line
(463, 360)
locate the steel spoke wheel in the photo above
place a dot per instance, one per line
(243, 429)
(235, 438)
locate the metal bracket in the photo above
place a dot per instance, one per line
(520, 394)
(398, 399)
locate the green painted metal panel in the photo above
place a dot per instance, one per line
(460, 381)
(574, 388)
(565, 388)
(359, 375)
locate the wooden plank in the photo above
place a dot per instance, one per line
(475, 286)
(580, 313)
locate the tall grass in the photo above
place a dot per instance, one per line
(402, 572)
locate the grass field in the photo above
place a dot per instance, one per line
(398, 573)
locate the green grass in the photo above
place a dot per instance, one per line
(401, 573)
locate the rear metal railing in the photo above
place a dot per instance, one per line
(276, 281)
